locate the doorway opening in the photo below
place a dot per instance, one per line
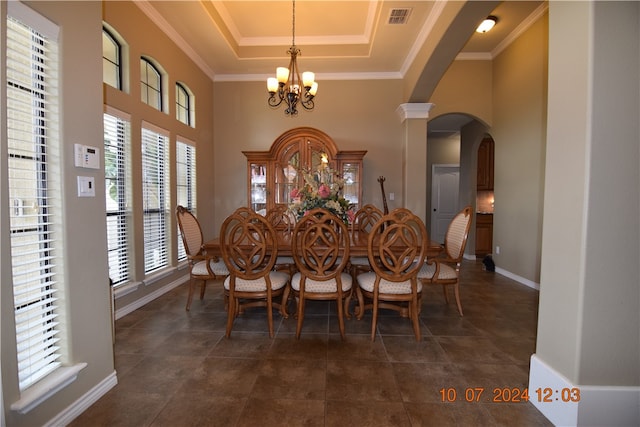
(445, 185)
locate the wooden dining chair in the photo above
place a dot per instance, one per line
(397, 249)
(249, 250)
(364, 220)
(445, 270)
(202, 266)
(321, 253)
(283, 221)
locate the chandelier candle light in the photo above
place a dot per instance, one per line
(288, 86)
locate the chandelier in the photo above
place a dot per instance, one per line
(287, 86)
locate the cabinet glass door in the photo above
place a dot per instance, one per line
(258, 187)
(287, 177)
(351, 189)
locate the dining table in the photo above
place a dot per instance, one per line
(357, 245)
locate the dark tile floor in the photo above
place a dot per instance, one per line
(175, 368)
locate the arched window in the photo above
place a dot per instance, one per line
(111, 60)
(184, 105)
(150, 84)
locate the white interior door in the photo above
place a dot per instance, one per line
(445, 181)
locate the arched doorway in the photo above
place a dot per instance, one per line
(454, 139)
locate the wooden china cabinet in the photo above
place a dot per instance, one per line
(271, 175)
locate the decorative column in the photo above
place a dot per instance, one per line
(414, 156)
(586, 369)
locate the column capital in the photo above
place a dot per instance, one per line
(417, 110)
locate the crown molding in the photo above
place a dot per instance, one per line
(415, 110)
(166, 28)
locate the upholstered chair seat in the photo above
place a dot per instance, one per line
(326, 286)
(249, 250)
(445, 270)
(320, 247)
(395, 255)
(278, 281)
(366, 281)
(202, 266)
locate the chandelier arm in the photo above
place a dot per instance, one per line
(307, 103)
(275, 101)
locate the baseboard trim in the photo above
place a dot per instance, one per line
(510, 275)
(518, 279)
(123, 311)
(79, 406)
(598, 405)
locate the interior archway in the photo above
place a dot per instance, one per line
(454, 138)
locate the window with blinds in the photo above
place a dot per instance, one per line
(155, 198)
(33, 167)
(185, 183)
(116, 154)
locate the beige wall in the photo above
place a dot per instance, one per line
(518, 130)
(507, 99)
(589, 308)
(86, 290)
(590, 298)
(466, 87)
(144, 38)
(357, 115)
(85, 281)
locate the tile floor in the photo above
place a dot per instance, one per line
(175, 368)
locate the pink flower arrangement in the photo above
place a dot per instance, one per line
(322, 189)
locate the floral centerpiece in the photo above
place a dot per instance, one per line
(322, 189)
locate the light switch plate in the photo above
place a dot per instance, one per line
(86, 186)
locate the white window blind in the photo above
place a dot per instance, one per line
(186, 183)
(155, 199)
(35, 200)
(117, 182)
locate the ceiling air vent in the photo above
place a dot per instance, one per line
(399, 16)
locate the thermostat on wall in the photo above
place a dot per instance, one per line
(87, 156)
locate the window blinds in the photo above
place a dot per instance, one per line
(34, 193)
(185, 183)
(116, 143)
(155, 199)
